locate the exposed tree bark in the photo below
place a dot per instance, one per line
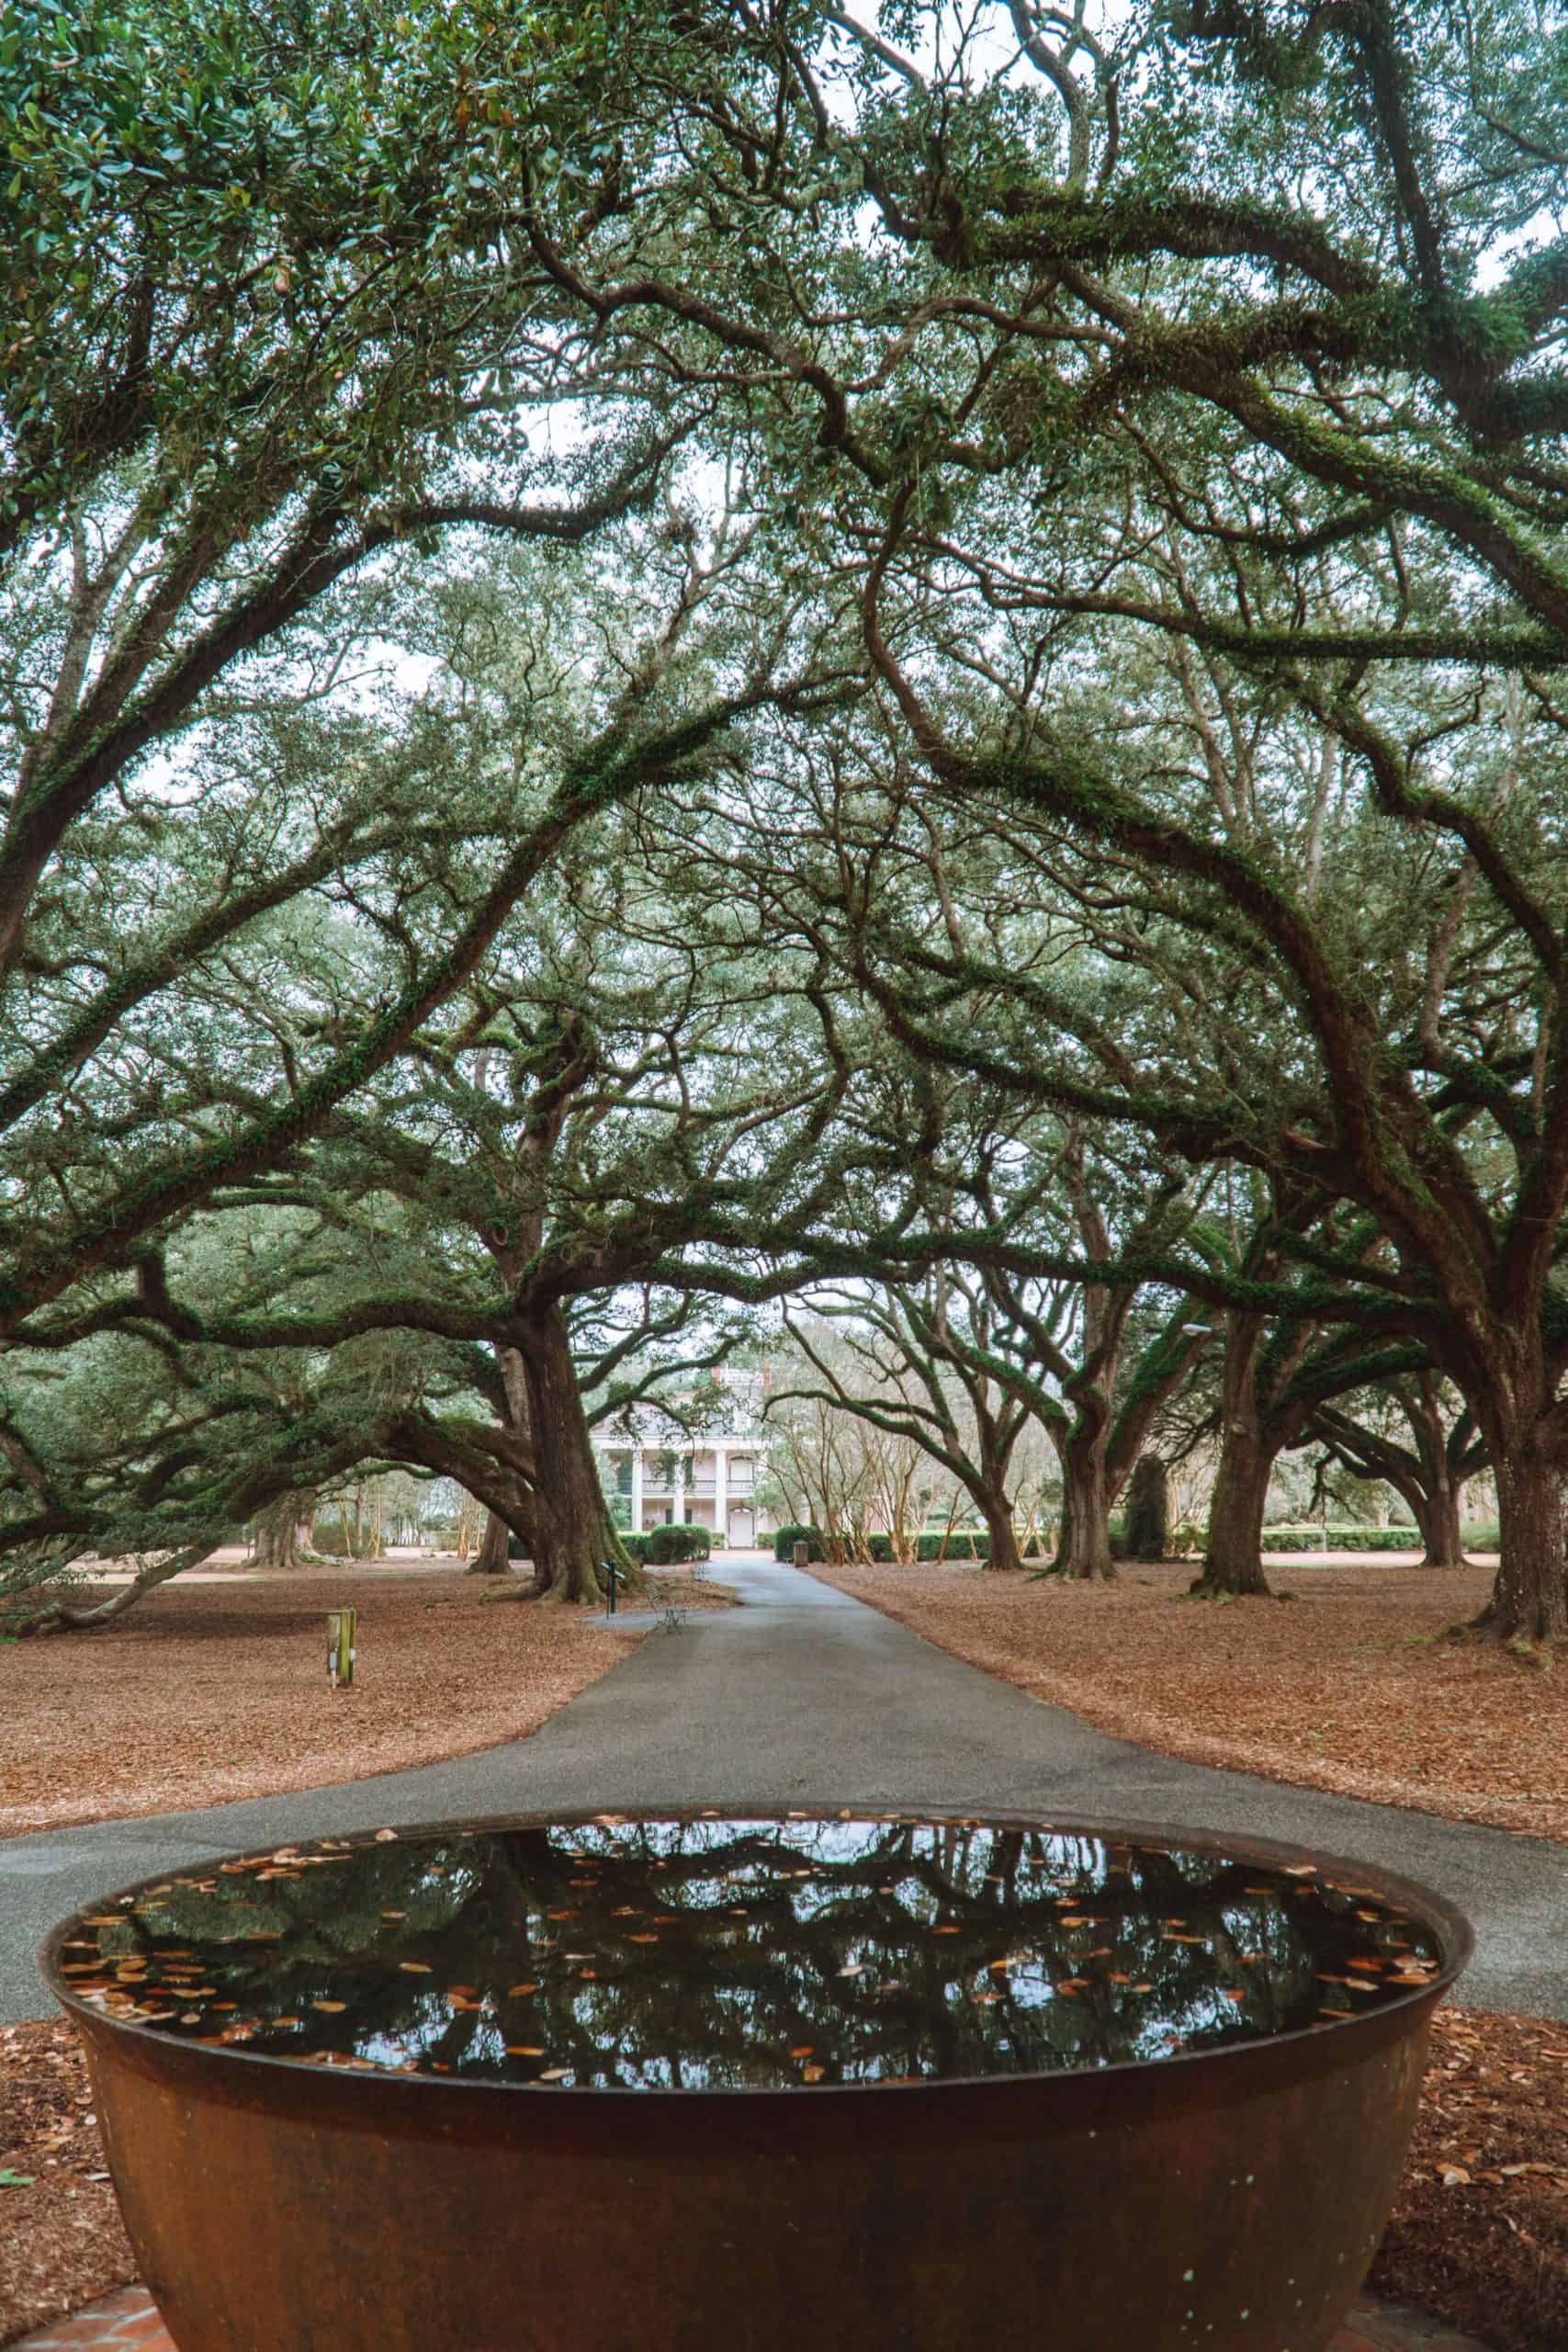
(1148, 1509)
(1233, 1558)
(1530, 1593)
(1437, 1518)
(275, 1538)
(1083, 1548)
(572, 1533)
(56, 1614)
(1002, 1551)
(492, 1559)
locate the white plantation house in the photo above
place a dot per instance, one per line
(654, 1471)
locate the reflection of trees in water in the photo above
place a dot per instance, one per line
(865, 1950)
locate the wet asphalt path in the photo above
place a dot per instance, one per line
(805, 1697)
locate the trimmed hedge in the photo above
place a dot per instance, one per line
(1342, 1539)
(662, 1547)
(963, 1544)
(786, 1538)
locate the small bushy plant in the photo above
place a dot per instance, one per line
(663, 1547)
(786, 1538)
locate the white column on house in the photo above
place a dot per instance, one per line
(636, 1490)
(721, 1493)
(678, 1508)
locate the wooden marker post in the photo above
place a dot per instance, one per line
(340, 1623)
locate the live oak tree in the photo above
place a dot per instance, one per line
(260, 345)
(1407, 1433)
(580, 727)
(1174, 406)
(1306, 422)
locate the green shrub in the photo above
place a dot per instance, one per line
(963, 1544)
(786, 1538)
(1342, 1539)
(329, 1538)
(662, 1547)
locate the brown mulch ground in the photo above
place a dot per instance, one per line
(210, 1692)
(1479, 2236)
(1479, 2230)
(1351, 1686)
(60, 2238)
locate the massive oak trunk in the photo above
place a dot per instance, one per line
(1530, 1593)
(1437, 1516)
(572, 1534)
(1003, 1541)
(1434, 1496)
(492, 1558)
(1148, 1509)
(1083, 1549)
(275, 1534)
(1232, 1559)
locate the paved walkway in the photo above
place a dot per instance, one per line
(804, 1697)
(130, 2318)
(808, 1697)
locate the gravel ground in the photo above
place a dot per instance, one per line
(1479, 2236)
(1352, 1687)
(216, 1690)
